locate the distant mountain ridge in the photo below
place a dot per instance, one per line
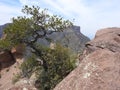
(70, 37)
(2, 28)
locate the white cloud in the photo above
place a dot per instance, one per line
(91, 15)
(30, 2)
(73, 9)
(7, 12)
(23, 2)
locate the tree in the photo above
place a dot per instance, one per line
(28, 30)
(60, 63)
(50, 65)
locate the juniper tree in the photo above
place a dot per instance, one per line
(37, 24)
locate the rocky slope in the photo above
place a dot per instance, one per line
(9, 70)
(100, 67)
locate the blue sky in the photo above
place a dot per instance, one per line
(91, 15)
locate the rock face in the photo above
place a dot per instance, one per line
(6, 59)
(106, 39)
(72, 38)
(100, 67)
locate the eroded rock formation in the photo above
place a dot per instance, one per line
(6, 59)
(100, 68)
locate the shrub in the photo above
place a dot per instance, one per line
(59, 65)
(0, 76)
(16, 78)
(28, 66)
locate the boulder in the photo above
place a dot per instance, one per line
(100, 68)
(108, 38)
(6, 59)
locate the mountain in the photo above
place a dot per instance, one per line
(70, 37)
(2, 28)
(99, 68)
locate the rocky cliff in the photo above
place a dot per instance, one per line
(99, 69)
(72, 38)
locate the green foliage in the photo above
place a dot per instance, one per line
(60, 65)
(28, 67)
(59, 62)
(5, 44)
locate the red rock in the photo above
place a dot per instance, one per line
(6, 59)
(100, 68)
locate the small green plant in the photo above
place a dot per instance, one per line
(0, 76)
(7, 70)
(16, 78)
(14, 66)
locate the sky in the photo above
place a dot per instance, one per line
(90, 15)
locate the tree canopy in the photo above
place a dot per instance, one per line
(30, 29)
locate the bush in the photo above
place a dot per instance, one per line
(16, 78)
(0, 76)
(29, 66)
(59, 65)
